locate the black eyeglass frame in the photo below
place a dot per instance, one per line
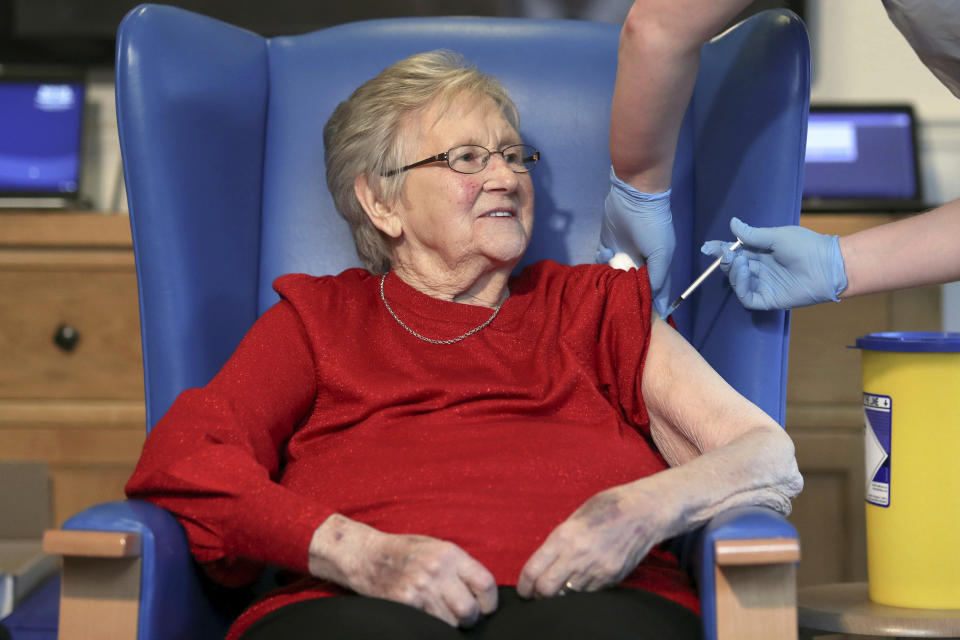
(445, 157)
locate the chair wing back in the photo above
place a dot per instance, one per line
(192, 116)
(221, 134)
(745, 135)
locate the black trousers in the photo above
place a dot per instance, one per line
(613, 614)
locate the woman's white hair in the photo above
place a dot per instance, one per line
(369, 133)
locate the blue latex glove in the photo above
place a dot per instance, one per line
(781, 267)
(640, 225)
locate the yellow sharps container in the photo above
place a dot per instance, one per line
(911, 407)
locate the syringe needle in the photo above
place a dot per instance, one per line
(696, 283)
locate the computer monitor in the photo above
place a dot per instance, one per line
(41, 133)
(862, 158)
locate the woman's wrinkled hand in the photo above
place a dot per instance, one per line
(432, 575)
(597, 546)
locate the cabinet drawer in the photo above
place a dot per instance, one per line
(94, 298)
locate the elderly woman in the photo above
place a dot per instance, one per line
(444, 447)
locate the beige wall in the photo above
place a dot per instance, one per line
(101, 157)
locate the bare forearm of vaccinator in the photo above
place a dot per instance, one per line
(658, 59)
(653, 87)
(916, 251)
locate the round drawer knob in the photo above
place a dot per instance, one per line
(66, 337)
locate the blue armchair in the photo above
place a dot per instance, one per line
(221, 137)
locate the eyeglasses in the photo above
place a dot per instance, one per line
(472, 158)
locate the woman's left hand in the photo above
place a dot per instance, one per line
(597, 546)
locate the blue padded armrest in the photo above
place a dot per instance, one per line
(175, 599)
(739, 523)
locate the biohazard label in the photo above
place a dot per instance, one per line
(877, 422)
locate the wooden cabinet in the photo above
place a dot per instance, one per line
(71, 380)
(824, 415)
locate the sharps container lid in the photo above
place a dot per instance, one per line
(911, 341)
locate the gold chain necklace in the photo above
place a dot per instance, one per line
(431, 340)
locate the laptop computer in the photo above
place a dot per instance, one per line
(862, 158)
(41, 134)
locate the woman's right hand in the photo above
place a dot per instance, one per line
(432, 575)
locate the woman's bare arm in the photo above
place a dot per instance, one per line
(724, 451)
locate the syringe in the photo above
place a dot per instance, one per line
(696, 283)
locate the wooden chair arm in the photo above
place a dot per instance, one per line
(756, 551)
(756, 587)
(100, 585)
(91, 544)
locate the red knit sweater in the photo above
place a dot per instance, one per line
(329, 405)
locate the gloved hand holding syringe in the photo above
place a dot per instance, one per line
(696, 283)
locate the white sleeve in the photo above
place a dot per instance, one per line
(931, 28)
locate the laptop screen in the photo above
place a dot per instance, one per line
(861, 158)
(41, 125)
